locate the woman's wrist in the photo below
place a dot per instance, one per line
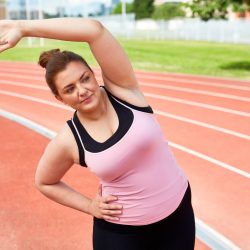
(22, 27)
(88, 210)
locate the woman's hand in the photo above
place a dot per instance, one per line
(10, 34)
(100, 207)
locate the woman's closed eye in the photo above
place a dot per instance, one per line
(85, 79)
(70, 89)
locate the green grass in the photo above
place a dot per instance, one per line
(190, 57)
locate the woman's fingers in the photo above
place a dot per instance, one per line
(110, 206)
(3, 41)
(109, 198)
(10, 34)
(4, 47)
(111, 212)
(104, 208)
(106, 217)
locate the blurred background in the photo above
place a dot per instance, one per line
(213, 20)
(202, 37)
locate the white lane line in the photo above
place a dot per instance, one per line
(210, 159)
(205, 233)
(204, 77)
(28, 123)
(23, 84)
(171, 99)
(198, 104)
(34, 99)
(166, 114)
(39, 78)
(192, 152)
(203, 124)
(195, 82)
(201, 92)
(212, 238)
(21, 71)
(13, 70)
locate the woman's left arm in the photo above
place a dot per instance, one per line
(116, 67)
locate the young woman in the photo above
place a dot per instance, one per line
(144, 202)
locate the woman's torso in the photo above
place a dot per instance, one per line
(134, 163)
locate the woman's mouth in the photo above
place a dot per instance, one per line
(87, 100)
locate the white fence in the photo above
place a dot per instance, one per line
(232, 31)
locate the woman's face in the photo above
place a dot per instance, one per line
(78, 88)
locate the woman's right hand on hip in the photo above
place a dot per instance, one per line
(100, 207)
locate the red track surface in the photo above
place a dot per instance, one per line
(220, 195)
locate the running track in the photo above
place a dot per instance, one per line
(206, 121)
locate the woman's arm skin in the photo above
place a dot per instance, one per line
(116, 68)
(54, 163)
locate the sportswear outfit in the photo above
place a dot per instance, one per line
(136, 165)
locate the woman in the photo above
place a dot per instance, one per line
(144, 202)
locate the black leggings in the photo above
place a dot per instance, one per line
(175, 232)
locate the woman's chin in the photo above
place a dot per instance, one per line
(88, 105)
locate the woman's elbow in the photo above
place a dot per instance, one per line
(38, 183)
(96, 31)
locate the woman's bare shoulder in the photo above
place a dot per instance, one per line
(57, 159)
(65, 142)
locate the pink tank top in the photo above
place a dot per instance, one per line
(139, 168)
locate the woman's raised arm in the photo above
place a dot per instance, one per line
(115, 65)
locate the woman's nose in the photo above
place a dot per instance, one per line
(81, 90)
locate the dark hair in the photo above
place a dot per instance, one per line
(55, 61)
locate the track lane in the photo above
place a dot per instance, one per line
(193, 77)
(219, 101)
(218, 197)
(214, 117)
(185, 86)
(28, 219)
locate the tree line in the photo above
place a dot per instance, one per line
(205, 9)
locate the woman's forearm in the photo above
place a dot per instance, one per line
(63, 194)
(68, 29)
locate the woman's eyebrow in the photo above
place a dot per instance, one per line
(82, 75)
(70, 84)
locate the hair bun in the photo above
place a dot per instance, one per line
(46, 56)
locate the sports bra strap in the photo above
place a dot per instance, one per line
(78, 141)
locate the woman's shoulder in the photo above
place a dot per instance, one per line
(65, 143)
